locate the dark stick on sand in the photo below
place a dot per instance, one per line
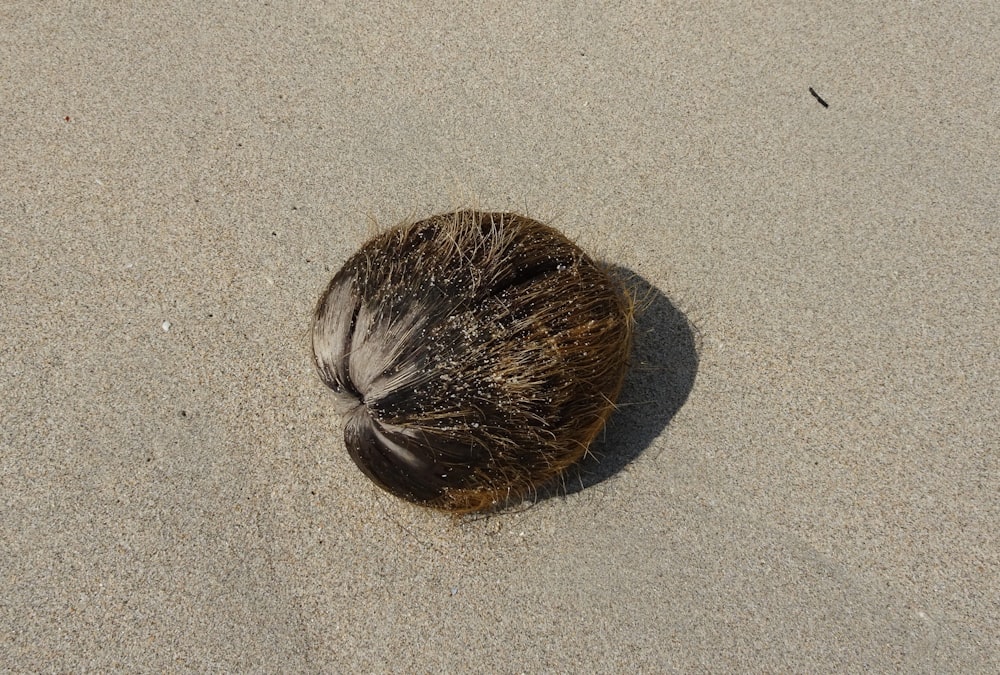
(818, 98)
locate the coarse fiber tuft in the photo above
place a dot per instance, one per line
(474, 356)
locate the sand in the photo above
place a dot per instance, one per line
(803, 475)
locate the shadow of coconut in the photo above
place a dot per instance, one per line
(661, 375)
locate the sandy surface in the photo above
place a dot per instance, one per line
(815, 488)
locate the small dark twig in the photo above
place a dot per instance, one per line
(818, 98)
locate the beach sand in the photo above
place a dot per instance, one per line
(803, 475)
